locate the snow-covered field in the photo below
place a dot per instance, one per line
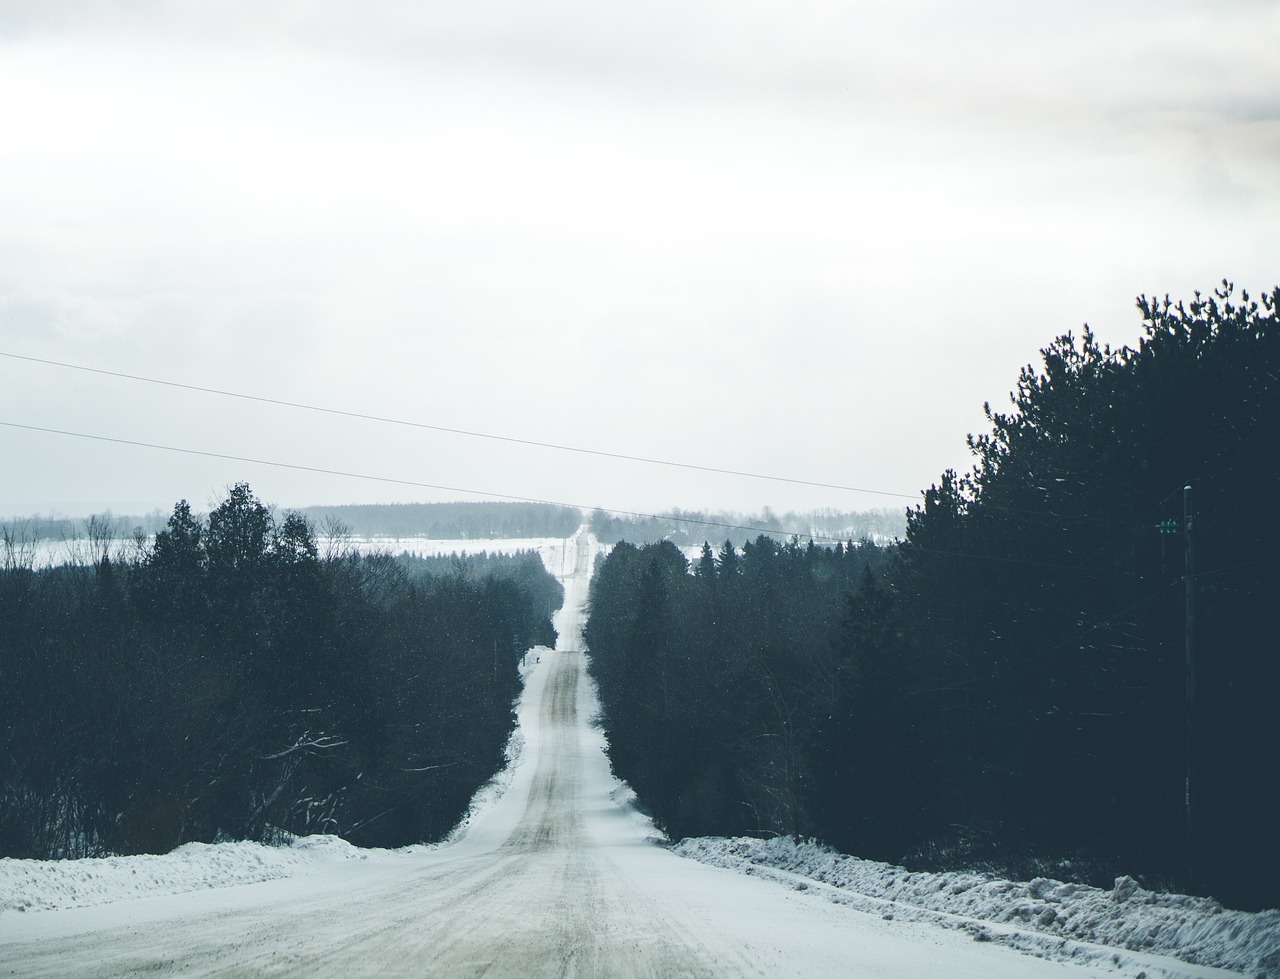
(554, 871)
(554, 550)
(557, 553)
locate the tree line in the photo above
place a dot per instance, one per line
(230, 682)
(1006, 689)
(688, 527)
(75, 537)
(483, 520)
(717, 680)
(523, 568)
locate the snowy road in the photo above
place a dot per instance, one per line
(559, 878)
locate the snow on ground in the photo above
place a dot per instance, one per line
(1196, 930)
(48, 885)
(1126, 930)
(557, 553)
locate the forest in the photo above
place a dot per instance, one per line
(472, 520)
(524, 567)
(717, 681)
(691, 527)
(226, 681)
(72, 540)
(1067, 667)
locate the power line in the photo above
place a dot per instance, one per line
(1008, 609)
(458, 431)
(723, 525)
(535, 443)
(1071, 568)
(1076, 638)
(960, 684)
(1233, 567)
(990, 674)
(403, 482)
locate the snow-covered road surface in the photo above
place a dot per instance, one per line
(560, 877)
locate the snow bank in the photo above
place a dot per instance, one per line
(490, 794)
(47, 885)
(1195, 930)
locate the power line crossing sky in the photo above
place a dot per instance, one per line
(807, 240)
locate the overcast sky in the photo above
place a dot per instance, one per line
(806, 239)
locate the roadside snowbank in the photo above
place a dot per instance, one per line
(490, 794)
(48, 885)
(1195, 930)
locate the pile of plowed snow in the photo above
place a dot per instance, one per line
(47, 885)
(1197, 930)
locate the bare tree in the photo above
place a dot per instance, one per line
(19, 542)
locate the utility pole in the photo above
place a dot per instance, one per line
(1188, 523)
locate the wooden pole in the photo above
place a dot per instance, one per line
(1188, 523)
